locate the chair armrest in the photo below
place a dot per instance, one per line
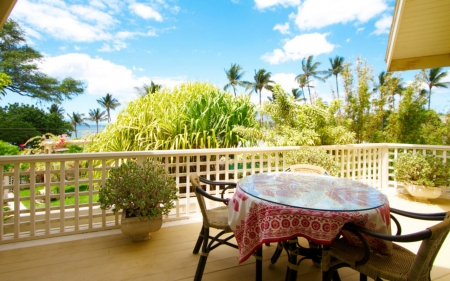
(217, 182)
(198, 189)
(229, 185)
(412, 237)
(429, 216)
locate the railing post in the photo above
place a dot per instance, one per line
(384, 155)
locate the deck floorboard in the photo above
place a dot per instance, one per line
(168, 256)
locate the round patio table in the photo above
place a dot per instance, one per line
(275, 207)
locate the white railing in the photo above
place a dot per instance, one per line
(36, 212)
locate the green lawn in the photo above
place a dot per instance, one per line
(56, 202)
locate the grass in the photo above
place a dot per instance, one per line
(56, 202)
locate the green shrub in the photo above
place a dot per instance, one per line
(8, 149)
(415, 168)
(144, 191)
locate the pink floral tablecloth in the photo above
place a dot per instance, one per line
(273, 207)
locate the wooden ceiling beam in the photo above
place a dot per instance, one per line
(6, 7)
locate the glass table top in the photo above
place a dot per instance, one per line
(312, 191)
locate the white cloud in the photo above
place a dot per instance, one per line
(74, 23)
(100, 77)
(175, 9)
(348, 40)
(360, 29)
(97, 4)
(116, 46)
(383, 25)
(282, 28)
(263, 4)
(299, 47)
(286, 80)
(145, 12)
(80, 23)
(321, 13)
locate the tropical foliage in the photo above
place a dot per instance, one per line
(20, 63)
(8, 149)
(21, 122)
(193, 115)
(295, 124)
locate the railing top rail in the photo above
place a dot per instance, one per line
(191, 152)
(130, 154)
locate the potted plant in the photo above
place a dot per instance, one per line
(313, 156)
(143, 193)
(423, 176)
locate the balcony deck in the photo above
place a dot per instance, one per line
(109, 255)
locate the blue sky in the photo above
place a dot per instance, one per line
(116, 45)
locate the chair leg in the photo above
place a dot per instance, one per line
(277, 253)
(362, 277)
(335, 276)
(199, 242)
(203, 256)
(258, 256)
(315, 252)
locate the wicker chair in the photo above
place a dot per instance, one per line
(315, 253)
(221, 211)
(306, 168)
(402, 264)
(215, 218)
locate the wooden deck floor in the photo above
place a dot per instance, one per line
(109, 255)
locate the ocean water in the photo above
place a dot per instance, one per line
(83, 130)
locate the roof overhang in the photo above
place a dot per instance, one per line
(419, 36)
(6, 7)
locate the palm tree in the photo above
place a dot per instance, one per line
(433, 78)
(54, 108)
(310, 70)
(234, 75)
(381, 81)
(77, 119)
(396, 88)
(302, 81)
(148, 89)
(97, 115)
(393, 86)
(109, 103)
(297, 94)
(336, 69)
(262, 80)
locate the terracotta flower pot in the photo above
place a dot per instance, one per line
(139, 230)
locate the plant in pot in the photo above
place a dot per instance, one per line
(313, 156)
(144, 192)
(423, 176)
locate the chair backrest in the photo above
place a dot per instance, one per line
(208, 220)
(306, 168)
(429, 249)
(195, 182)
